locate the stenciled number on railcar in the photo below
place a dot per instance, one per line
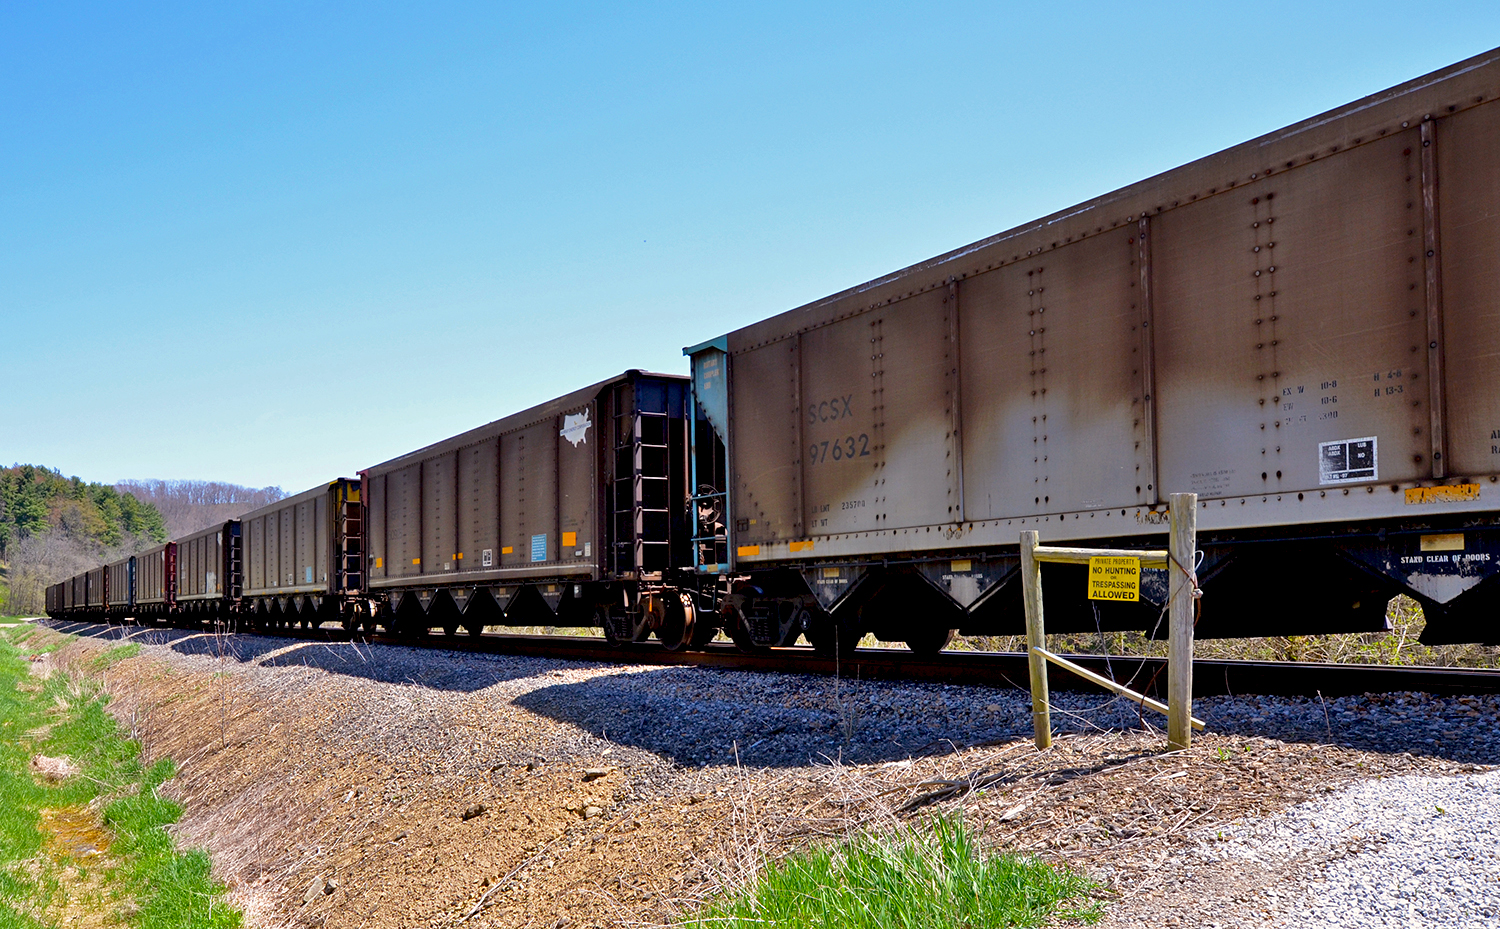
(831, 410)
(850, 446)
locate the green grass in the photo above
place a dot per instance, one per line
(915, 878)
(142, 880)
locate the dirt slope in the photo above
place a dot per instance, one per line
(385, 787)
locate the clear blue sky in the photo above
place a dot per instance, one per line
(278, 243)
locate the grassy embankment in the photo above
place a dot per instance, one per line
(82, 820)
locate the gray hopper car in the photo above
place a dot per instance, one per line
(208, 573)
(155, 588)
(1304, 330)
(94, 592)
(119, 580)
(303, 559)
(573, 512)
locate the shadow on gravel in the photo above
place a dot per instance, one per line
(436, 670)
(1462, 729)
(699, 716)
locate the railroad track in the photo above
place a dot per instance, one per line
(1211, 677)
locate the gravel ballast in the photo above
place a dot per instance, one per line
(1404, 851)
(376, 758)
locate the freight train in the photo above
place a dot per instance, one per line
(1303, 330)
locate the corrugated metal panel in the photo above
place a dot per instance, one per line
(479, 505)
(255, 552)
(119, 585)
(323, 541)
(1054, 416)
(201, 564)
(1283, 311)
(842, 413)
(148, 576)
(765, 409)
(304, 562)
(914, 427)
(404, 521)
(289, 545)
(1468, 147)
(94, 589)
(575, 438)
(439, 514)
(376, 501)
(529, 496)
(286, 549)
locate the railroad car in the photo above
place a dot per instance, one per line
(119, 587)
(1304, 330)
(94, 593)
(74, 601)
(571, 513)
(208, 583)
(154, 597)
(303, 559)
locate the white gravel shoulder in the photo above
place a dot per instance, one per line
(1403, 851)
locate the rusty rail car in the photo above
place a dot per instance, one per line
(1304, 330)
(571, 513)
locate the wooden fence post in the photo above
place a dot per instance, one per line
(1181, 573)
(1036, 638)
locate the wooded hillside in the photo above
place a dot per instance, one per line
(53, 526)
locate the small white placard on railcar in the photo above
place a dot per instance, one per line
(1347, 461)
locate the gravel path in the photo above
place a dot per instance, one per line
(1401, 852)
(396, 732)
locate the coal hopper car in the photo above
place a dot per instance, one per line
(207, 588)
(571, 513)
(1303, 330)
(303, 560)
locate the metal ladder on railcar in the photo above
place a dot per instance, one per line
(350, 579)
(641, 495)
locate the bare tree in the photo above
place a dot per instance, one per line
(188, 506)
(37, 561)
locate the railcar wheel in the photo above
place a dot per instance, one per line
(607, 626)
(831, 638)
(676, 630)
(739, 633)
(703, 632)
(929, 641)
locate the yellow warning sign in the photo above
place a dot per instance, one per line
(1114, 577)
(1448, 542)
